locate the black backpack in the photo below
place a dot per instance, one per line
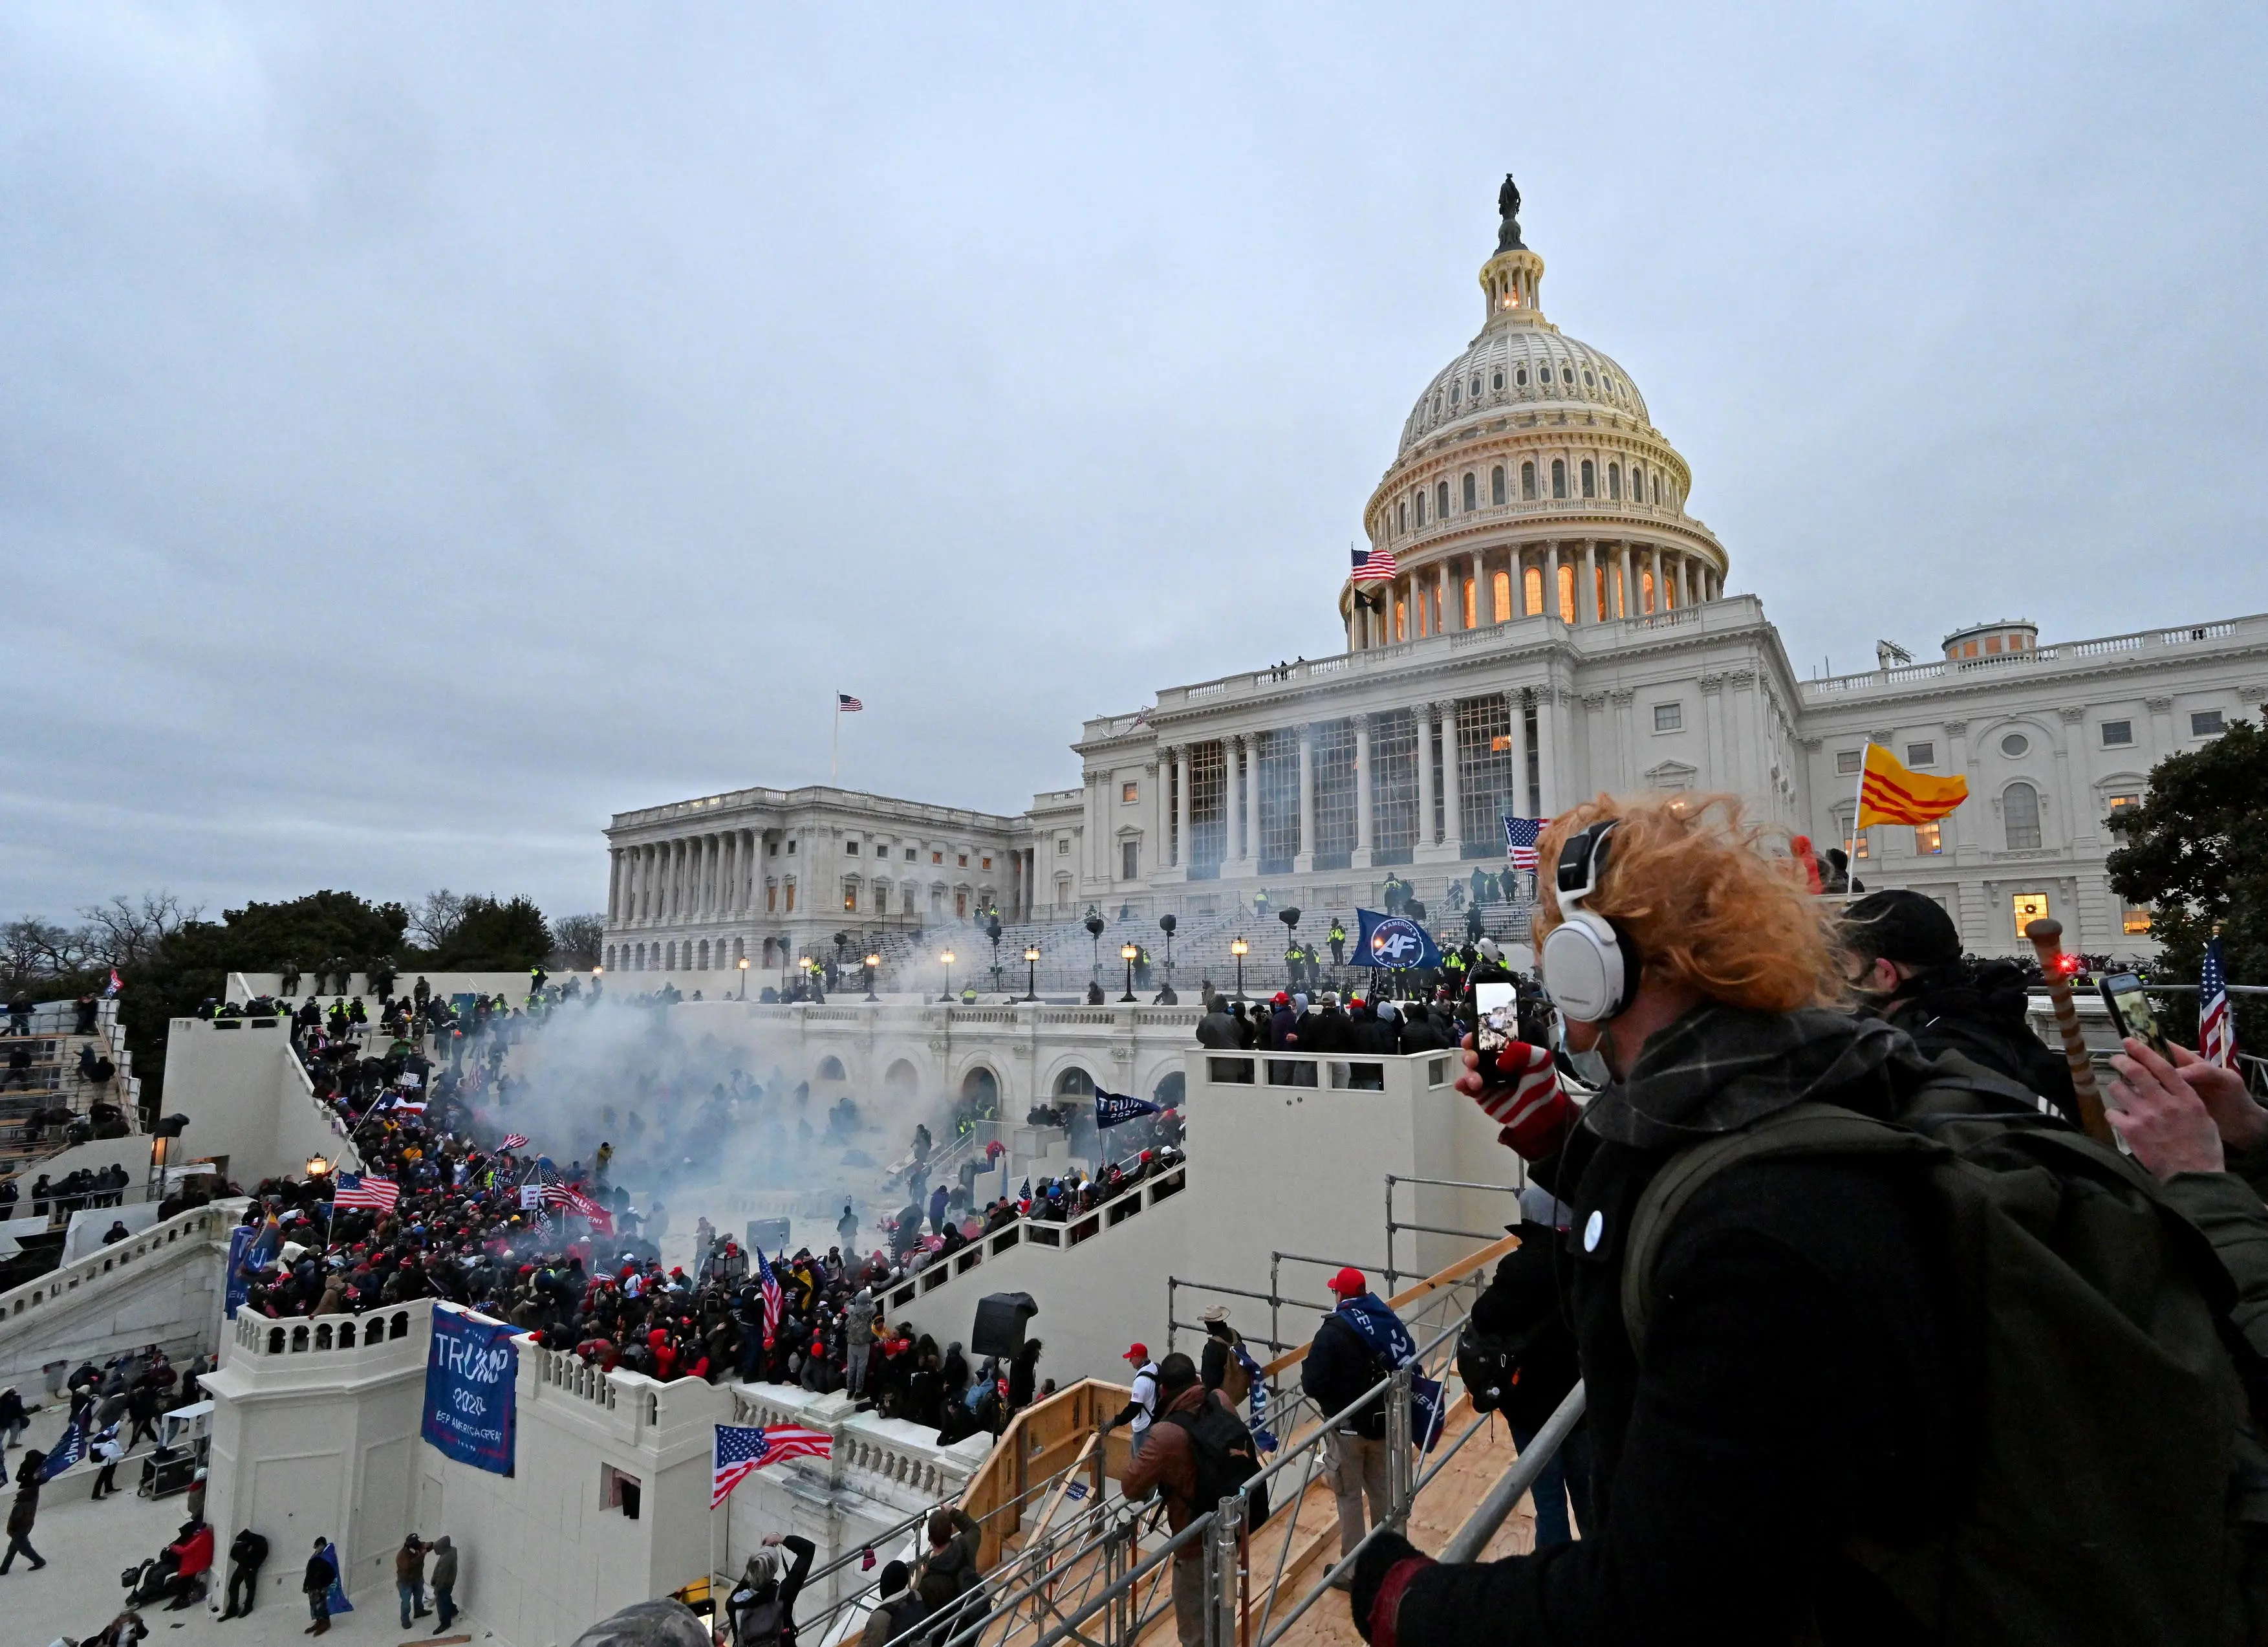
(1226, 1458)
(2106, 1502)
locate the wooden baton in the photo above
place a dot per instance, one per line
(2047, 940)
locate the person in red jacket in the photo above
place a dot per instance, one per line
(193, 1553)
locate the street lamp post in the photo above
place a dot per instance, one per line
(1031, 971)
(1127, 953)
(873, 970)
(1238, 947)
(948, 958)
(744, 978)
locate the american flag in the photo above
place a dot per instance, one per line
(575, 1201)
(1377, 566)
(1520, 837)
(360, 1189)
(774, 1299)
(846, 705)
(514, 1141)
(2216, 1032)
(743, 1448)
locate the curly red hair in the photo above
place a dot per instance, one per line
(1687, 877)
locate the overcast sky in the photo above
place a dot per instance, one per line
(426, 431)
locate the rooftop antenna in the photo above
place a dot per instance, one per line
(1889, 652)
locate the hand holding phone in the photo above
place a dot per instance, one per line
(2131, 1011)
(1496, 1023)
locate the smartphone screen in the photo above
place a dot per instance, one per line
(1496, 1017)
(2130, 1008)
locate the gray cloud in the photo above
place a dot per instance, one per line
(426, 432)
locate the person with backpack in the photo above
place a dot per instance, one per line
(1169, 1466)
(950, 1571)
(897, 1613)
(1906, 965)
(1778, 1210)
(1141, 1412)
(1357, 1344)
(762, 1605)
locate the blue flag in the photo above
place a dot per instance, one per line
(334, 1599)
(1393, 941)
(1110, 1108)
(70, 1447)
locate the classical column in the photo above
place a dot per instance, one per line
(1424, 775)
(1362, 790)
(1452, 598)
(1252, 801)
(614, 884)
(1181, 806)
(1547, 748)
(1626, 605)
(1303, 858)
(1231, 848)
(1586, 584)
(1516, 725)
(1453, 823)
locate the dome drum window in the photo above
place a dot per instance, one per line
(1614, 482)
(1496, 484)
(1558, 478)
(1441, 500)
(1519, 376)
(1590, 480)
(1472, 493)
(1528, 481)
(1497, 382)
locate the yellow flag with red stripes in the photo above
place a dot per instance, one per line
(1891, 793)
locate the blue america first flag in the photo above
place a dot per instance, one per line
(742, 1448)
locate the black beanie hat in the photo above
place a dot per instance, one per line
(1902, 926)
(894, 1578)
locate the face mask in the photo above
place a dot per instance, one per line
(1590, 1068)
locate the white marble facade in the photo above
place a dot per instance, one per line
(1557, 624)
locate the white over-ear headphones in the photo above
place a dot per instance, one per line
(1589, 965)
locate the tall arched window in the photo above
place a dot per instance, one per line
(1527, 481)
(1638, 484)
(1614, 482)
(1441, 500)
(1501, 595)
(1421, 511)
(1657, 485)
(2019, 813)
(1558, 478)
(1496, 484)
(1472, 493)
(1401, 516)
(1566, 595)
(1590, 480)
(704, 953)
(1531, 591)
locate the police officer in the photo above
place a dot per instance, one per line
(1338, 943)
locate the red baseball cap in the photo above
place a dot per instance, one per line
(1137, 1353)
(1348, 1282)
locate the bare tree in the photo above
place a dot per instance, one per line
(575, 941)
(127, 932)
(31, 948)
(435, 917)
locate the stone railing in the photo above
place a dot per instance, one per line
(2069, 652)
(360, 1335)
(209, 1224)
(1046, 1235)
(884, 1451)
(572, 1377)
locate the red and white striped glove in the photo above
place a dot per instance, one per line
(1523, 1094)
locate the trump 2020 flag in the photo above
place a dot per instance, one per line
(1395, 941)
(1111, 1108)
(70, 1447)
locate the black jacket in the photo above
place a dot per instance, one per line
(1523, 1308)
(1799, 1386)
(249, 1550)
(1339, 1367)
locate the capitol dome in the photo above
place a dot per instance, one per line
(1510, 366)
(1529, 482)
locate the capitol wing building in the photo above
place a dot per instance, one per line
(1553, 623)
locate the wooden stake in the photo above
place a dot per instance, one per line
(2047, 941)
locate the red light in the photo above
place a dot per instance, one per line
(2068, 965)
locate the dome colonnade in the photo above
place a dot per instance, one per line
(1529, 482)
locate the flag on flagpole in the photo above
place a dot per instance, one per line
(1520, 837)
(70, 1447)
(1394, 941)
(114, 985)
(1377, 566)
(363, 1189)
(2216, 1030)
(1111, 1108)
(774, 1299)
(513, 1140)
(743, 1449)
(571, 1200)
(846, 705)
(1890, 793)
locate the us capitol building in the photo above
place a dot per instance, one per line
(1557, 623)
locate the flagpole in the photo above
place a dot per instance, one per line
(835, 756)
(1857, 800)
